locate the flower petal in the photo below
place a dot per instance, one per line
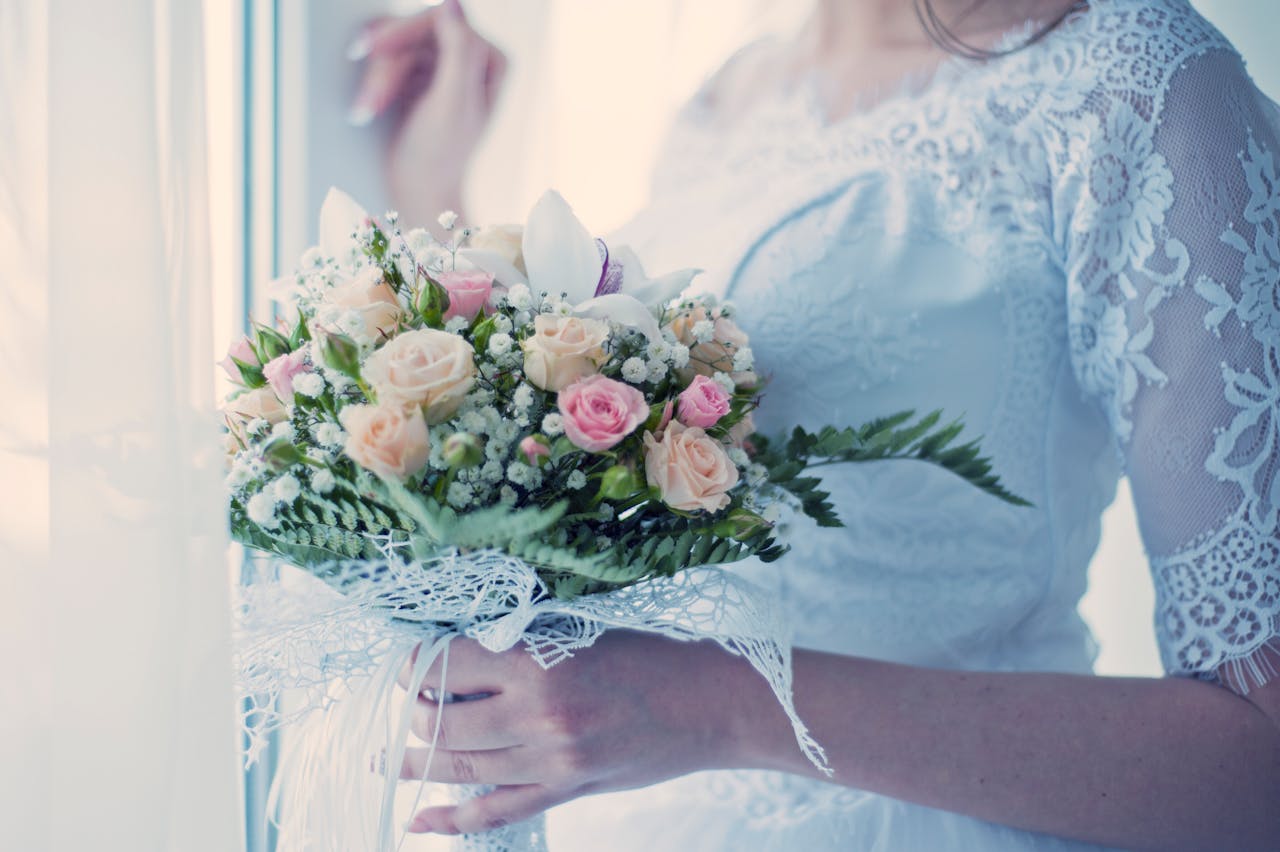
(651, 291)
(559, 253)
(502, 270)
(340, 217)
(624, 309)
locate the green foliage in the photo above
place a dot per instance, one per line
(900, 436)
(316, 533)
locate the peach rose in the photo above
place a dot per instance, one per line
(386, 439)
(715, 355)
(689, 468)
(468, 293)
(742, 430)
(563, 350)
(370, 294)
(599, 412)
(430, 368)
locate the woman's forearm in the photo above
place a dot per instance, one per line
(1135, 763)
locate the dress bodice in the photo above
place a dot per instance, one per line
(1076, 248)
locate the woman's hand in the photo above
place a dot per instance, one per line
(437, 80)
(629, 711)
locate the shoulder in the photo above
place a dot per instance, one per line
(1135, 88)
(1132, 50)
(736, 85)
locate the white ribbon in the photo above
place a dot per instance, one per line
(339, 655)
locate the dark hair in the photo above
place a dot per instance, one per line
(943, 36)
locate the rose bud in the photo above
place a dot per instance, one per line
(462, 449)
(271, 343)
(536, 450)
(280, 454)
(340, 353)
(618, 483)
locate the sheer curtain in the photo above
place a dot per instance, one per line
(118, 723)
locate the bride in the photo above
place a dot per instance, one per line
(1062, 220)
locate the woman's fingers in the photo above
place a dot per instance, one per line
(387, 36)
(471, 669)
(495, 71)
(516, 765)
(485, 723)
(504, 806)
(384, 83)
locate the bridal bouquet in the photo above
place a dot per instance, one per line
(512, 434)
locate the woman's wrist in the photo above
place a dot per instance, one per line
(750, 728)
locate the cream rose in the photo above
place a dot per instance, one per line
(369, 294)
(563, 350)
(388, 440)
(430, 368)
(261, 403)
(504, 241)
(689, 468)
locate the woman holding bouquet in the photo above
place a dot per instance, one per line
(1060, 219)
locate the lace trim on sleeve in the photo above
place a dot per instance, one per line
(1174, 199)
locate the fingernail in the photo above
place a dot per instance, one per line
(359, 48)
(360, 116)
(418, 826)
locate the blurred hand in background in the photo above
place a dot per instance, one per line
(436, 80)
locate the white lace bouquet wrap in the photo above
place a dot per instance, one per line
(340, 654)
(512, 435)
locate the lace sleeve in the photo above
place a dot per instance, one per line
(1172, 253)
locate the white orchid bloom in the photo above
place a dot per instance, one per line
(340, 218)
(561, 256)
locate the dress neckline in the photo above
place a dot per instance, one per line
(804, 99)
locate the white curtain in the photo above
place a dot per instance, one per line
(118, 723)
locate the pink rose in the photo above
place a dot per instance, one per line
(242, 351)
(703, 403)
(280, 372)
(386, 439)
(468, 293)
(689, 468)
(599, 412)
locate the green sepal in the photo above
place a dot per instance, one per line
(300, 334)
(280, 454)
(432, 302)
(341, 353)
(270, 344)
(250, 374)
(482, 331)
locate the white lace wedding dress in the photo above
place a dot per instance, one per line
(1077, 248)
